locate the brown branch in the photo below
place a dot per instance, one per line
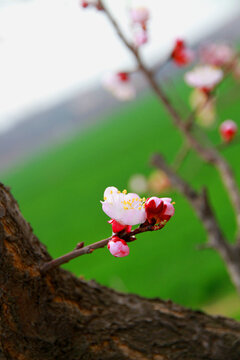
(181, 156)
(209, 155)
(60, 316)
(200, 202)
(79, 251)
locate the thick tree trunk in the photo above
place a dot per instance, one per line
(57, 316)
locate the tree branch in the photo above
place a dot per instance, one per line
(202, 207)
(209, 155)
(97, 245)
(59, 316)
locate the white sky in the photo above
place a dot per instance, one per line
(51, 48)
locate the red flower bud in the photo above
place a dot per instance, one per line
(181, 55)
(159, 210)
(123, 76)
(228, 130)
(84, 4)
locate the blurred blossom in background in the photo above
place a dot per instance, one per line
(51, 49)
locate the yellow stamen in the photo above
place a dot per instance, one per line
(125, 208)
(111, 192)
(143, 199)
(124, 191)
(173, 203)
(105, 198)
(119, 192)
(139, 208)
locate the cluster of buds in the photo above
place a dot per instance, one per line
(127, 210)
(120, 85)
(139, 19)
(91, 3)
(228, 130)
(181, 55)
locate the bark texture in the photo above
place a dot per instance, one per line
(57, 316)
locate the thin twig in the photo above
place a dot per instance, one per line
(181, 156)
(97, 245)
(202, 207)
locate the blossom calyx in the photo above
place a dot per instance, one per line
(117, 227)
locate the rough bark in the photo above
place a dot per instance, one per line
(57, 316)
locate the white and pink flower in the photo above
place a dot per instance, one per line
(217, 54)
(126, 209)
(118, 247)
(120, 85)
(228, 130)
(204, 77)
(139, 15)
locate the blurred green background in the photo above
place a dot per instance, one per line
(59, 193)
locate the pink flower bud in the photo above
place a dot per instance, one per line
(139, 15)
(116, 227)
(159, 210)
(181, 55)
(228, 130)
(118, 247)
(140, 38)
(84, 4)
(123, 76)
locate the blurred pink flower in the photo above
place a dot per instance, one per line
(139, 15)
(181, 55)
(228, 130)
(118, 247)
(126, 209)
(120, 85)
(140, 37)
(217, 54)
(204, 77)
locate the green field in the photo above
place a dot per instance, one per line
(59, 193)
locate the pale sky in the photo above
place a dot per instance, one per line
(50, 49)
